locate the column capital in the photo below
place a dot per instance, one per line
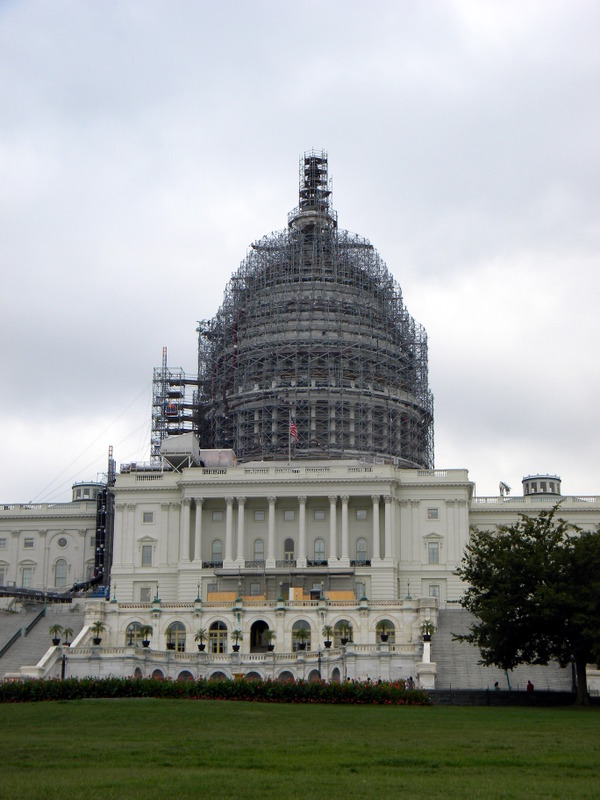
(302, 498)
(272, 500)
(241, 500)
(344, 498)
(388, 498)
(229, 501)
(187, 501)
(333, 498)
(198, 500)
(375, 498)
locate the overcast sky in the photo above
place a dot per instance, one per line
(144, 145)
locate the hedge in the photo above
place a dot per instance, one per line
(241, 689)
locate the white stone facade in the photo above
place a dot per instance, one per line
(47, 546)
(272, 546)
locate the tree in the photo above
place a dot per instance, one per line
(534, 588)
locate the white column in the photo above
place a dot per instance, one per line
(388, 526)
(332, 529)
(376, 546)
(301, 561)
(271, 533)
(240, 531)
(165, 521)
(198, 530)
(228, 559)
(184, 530)
(345, 557)
(130, 513)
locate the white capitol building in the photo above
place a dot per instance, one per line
(291, 523)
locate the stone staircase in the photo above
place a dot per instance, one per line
(457, 666)
(28, 650)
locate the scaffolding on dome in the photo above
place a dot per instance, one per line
(313, 332)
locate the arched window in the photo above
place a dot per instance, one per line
(217, 637)
(133, 634)
(60, 573)
(342, 630)
(217, 551)
(361, 551)
(259, 550)
(319, 551)
(288, 550)
(301, 635)
(386, 631)
(176, 637)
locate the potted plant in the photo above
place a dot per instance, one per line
(200, 636)
(383, 631)
(146, 633)
(97, 628)
(67, 633)
(302, 635)
(238, 637)
(270, 637)
(327, 633)
(55, 632)
(345, 632)
(427, 628)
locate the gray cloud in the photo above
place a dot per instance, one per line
(147, 144)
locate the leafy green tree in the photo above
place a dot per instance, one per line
(534, 588)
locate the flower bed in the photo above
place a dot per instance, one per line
(240, 689)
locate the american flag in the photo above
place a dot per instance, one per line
(293, 430)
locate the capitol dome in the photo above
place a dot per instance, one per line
(313, 335)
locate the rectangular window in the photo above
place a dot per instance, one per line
(146, 555)
(28, 544)
(217, 516)
(319, 514)
(434, 591)
(255, 589)
(2, 544)
(361, 513)
(27, 575)
(92, 541)
(433, 513)
(259, 516)
(433, 552)
(147, 516)
(145, 594)
(289, 515)
(360, 589)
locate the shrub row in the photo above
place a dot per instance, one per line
(268, 691)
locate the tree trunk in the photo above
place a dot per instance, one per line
(583, 698)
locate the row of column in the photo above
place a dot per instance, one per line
(342, 560)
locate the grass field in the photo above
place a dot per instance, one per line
(168, 748)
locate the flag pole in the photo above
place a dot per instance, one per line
(289, 436)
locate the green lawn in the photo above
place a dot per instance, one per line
(168, 748)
